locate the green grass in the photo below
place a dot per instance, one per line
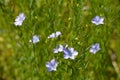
(21, 60)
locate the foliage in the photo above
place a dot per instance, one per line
(22, 60)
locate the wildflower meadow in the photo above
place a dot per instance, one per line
(59, 39)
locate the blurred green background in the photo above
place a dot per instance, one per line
(21, 60)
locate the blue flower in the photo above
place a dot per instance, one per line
(95, 48)
(52, 65)
(19, 20)
(58, 49)
(97, 20)
(58, 33)
(70, 53)
(34, 39)
(54, 35)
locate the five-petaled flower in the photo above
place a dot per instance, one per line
(70, 53)
(19, 20)
(52, 65)
(34, 39)
(54, 35)
(97, 20)
(95, 48)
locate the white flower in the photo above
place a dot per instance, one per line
(95, 48)
(34, 39)
(70, 53)
(54, 35)
(19, 20)
(52, 65)
(85, 8)
(97, 20)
